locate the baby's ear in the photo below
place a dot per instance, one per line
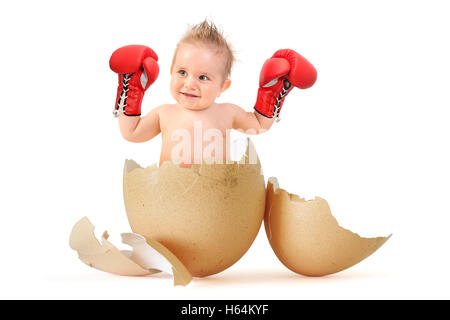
(226, 84)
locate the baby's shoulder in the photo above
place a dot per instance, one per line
(165, 108)
(231, 109)
(228, 107)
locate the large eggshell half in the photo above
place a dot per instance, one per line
(207, 215)
(307, 239)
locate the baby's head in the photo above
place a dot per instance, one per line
(201, 67)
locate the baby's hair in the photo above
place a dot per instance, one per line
(207, 33)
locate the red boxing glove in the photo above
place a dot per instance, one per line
(137, 69)
(285, 69)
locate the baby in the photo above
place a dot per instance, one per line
(196, 128)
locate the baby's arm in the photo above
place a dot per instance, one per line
(249, 122)
(140, 129)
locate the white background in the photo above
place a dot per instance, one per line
(371, 137)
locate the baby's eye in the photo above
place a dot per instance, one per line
(203, 77)
(182, 73)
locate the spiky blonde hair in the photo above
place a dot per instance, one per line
(206, 32)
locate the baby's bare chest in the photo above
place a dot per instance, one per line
(206, 125)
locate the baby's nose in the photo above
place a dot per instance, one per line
(190, 82)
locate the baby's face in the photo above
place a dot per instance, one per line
(198, 76)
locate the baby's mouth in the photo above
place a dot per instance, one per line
(189, 95)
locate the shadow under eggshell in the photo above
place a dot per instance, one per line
(307, 239)
(207, 215)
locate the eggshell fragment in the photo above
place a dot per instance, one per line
(106, 257)
(207, 215)
(151, 254)
(307, 239)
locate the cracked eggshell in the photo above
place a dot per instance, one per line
(207, 215)
(307, 239)
(147, 257)
(103, 256)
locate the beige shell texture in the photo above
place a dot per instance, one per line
(106, 257)
(307, 239)
(207, 216)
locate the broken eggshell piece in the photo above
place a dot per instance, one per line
(147, 257)
(207, 215)
(307, 239)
